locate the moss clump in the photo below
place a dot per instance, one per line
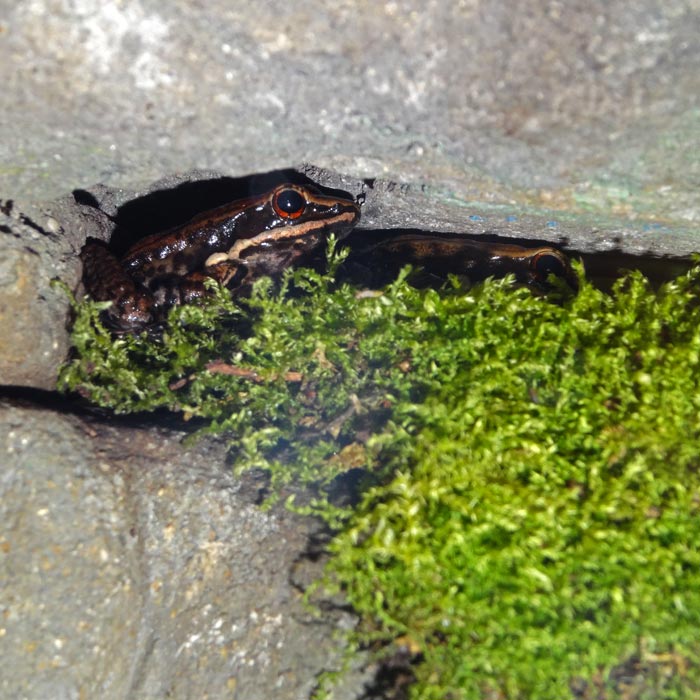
(544, 523)
(535, 517)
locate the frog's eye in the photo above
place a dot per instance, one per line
(545, 264)
(288, 204)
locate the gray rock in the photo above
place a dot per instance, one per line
(564, 106)
(135, 568)
(399, 205)
(33, 314)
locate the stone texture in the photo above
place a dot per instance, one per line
(565, 106)
(33, 314)
(131, 567)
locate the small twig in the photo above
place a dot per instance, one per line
(179, 383)
(221, 367)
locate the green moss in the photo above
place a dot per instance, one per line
(535, 516)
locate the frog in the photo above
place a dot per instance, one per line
(246, 239)
(233, 244)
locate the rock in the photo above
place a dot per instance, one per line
(135, 568)
(33, 314)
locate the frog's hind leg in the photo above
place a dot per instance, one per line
(135, 306)
(105, 279)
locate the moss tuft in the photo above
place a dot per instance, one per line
(534, 517)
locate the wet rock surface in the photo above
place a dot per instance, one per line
(33, 316)
(131, 566)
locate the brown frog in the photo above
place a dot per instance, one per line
(239, 242)
(233, 244)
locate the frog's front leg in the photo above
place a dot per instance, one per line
(192, 287)
(137, 306)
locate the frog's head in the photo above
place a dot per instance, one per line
(289, 222)
(546, 261)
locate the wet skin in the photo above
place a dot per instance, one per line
(249, 238)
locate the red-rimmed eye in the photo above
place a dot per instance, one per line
(545, 264)
(288, 204)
